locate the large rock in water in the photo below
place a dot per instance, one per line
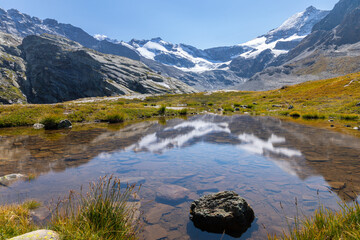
(222, 212)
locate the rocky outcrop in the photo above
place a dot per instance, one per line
(12, 70)
(222, 212)
(50, 69)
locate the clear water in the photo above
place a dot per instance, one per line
(265, 160)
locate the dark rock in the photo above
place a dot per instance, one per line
(358, 104)
(237, 109)
(291, 107)
(278, 106)
(64, 124)
(223, 211)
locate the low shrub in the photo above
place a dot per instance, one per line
(162, 110)
(349, 117)
(183, 112)
(310, 116)
(51, 121)
(114, 117)
(295, 114)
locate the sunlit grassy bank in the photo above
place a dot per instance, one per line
(15, 219)
(327, 224)
(335, 98)
(103, 212)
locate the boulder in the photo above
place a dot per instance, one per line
(38, 235)
(64, 124)
(38, 126)
(358, 104)
(10, 178)
(222, 212)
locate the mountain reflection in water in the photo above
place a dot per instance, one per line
(264, 159)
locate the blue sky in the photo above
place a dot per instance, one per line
(201, 23)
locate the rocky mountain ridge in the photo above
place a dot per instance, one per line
(332, 49)
(50, 69)
(209, 69)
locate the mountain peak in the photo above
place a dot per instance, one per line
(157, 39)
(311, 9)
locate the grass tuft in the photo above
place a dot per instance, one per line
(101, 213)
(51, 121)
(15, 219)
(327, 224)
(295, 114)
(162, 110)
(309, 116)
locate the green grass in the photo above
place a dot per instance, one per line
(312, 116)
(295, 114)
(315, 100)
(162, 110)
(15, 219)
(51, 121)
(101, 213)
(327, 224)
(114, 117)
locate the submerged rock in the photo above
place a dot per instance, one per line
(222, 212)
(172, 194)
(38, 235)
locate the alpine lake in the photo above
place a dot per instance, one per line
(283, 169)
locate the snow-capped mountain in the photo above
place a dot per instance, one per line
(188, 58)
(288, 35)
(184, 57)
(208, 69)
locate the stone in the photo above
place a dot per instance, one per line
(38, 235)
(64, 124)
(278, 106)
(172, 194)
(222, 212)
(291, 107)
(124, 182)
(237, 109)
(153, 216)
(38, 126)
(358, 104)
(10, 178)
